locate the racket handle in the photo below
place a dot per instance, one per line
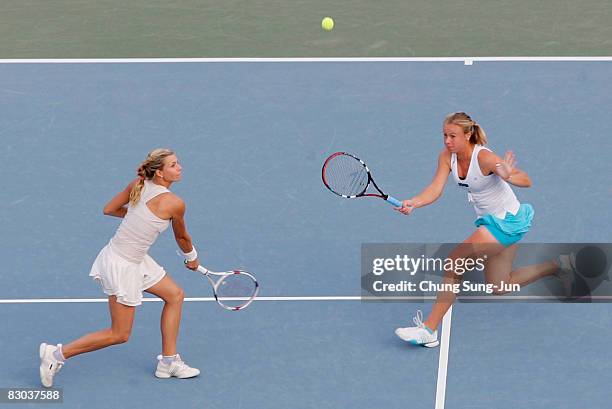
(394, 201)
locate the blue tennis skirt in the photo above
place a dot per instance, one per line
(511, 228)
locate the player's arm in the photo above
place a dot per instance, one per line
(117, 205)
(505, 168)
(434, 190)
(182, 237)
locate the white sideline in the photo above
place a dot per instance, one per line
(466, 60)
(443, 360)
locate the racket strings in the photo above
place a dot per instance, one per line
(236, 290)
(346, 175)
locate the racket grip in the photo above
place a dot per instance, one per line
(394, 201)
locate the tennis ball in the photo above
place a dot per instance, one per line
(327, 24)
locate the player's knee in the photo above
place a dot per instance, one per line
(121, 337)
(178, 296)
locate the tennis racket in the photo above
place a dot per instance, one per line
(233, 290)
(349, 177)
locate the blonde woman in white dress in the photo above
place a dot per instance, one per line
(124, 269)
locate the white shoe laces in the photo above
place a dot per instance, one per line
(424, 335)
(418, 319)
(176, 366)
(180, 363)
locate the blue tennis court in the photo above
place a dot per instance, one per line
(251, 137)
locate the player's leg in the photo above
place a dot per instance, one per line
(122, 318)
(170, 363)
(425, 333)
(173, 297)
(477, 244)
(499, 268)
(52, 357)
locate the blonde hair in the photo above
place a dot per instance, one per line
(478, 137)
(146, 170)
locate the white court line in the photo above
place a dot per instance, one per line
(155, 299)
(306, 298)
(445, 335)
(209, 299)
(443, 360)
(466, 60)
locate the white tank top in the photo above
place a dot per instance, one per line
(489, 194)
(140, 227)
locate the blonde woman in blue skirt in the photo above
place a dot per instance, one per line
(124, 269)
(501, 219)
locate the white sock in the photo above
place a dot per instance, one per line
(167, 360)
(564, 262)
(59, 354)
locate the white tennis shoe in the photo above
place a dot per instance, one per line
(49, 365)
(176, 368)
(419, 335)
(566, 272)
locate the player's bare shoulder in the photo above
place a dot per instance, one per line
(173, 204)
(487, 160)
(486, 155)
(444, 158)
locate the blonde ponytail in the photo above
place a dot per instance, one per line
(146, 170)
(479, 137)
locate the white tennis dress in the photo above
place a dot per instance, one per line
(123, 267)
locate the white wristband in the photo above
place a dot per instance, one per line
(192, 255)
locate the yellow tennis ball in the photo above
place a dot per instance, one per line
(327, 24)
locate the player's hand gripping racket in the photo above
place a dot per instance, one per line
(348, 176)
